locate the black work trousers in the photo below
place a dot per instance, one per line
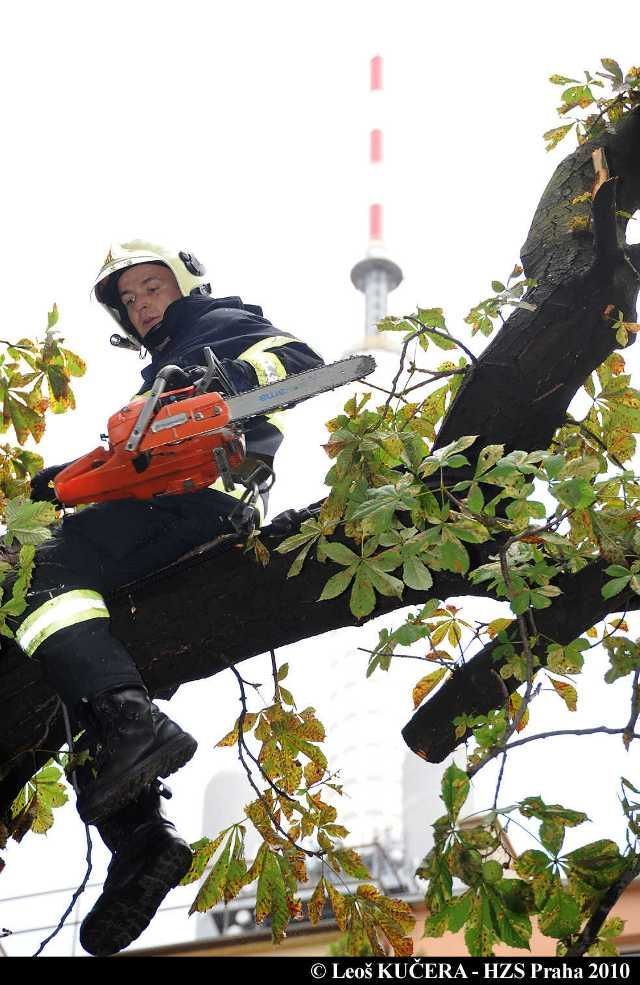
(91, 554)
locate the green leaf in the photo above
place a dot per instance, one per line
(470, 531)
(416, 575)
(340, 553)
(212, 889)
(598, 864)
(28, 522)
(431, 317)
(455, 790)
(617, 571)
(561, 916)
(611, 65)
(531, 863)
(52, 317)
(536, 807)
(271, 898)
(497, 286)
(458, 911)
(383, 582)
(578, 95)
(203, 850)
(552, 836)
(299, 560)
(453, 556)
(338, 583)
(309, 532)
(75, 366)
(363, 597)
(615, 586)
(475, 499)
(576, 494)
(479, 935)
(566, 659)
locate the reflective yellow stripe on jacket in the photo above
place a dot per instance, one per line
(268, 367)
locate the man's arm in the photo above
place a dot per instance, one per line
(259, 361)
(269, 360)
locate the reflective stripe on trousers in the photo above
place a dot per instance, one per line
(57, 613)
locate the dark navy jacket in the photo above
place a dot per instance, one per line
(251, 350)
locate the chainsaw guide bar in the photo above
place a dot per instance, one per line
(184, 440)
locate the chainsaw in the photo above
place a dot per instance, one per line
(182, 440)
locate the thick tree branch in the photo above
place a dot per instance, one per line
(217, 607)
(474, 690)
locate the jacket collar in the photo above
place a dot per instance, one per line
(180, 317)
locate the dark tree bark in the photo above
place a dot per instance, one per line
(192, 620)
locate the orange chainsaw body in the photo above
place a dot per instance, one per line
(175, 454)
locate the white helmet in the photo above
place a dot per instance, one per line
(188, 271)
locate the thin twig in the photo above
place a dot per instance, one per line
(444, 335)
(503, 687)
(403, 354)
(524, 638)
(635, 708)
(410, 656)
(434, 376)
(254, 759)
(81, 888)
(547, 735)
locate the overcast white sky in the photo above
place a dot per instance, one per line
(240, 131)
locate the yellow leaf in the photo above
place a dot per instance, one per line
(231, 737)
(619, 624)
(427, 684)
(439, 633)
(515, 701)
(368, 891)
(592, 633)
(497, 625)
(616, 363)
(584, 197)
(621, 444)
(567, 692)
(338, 905)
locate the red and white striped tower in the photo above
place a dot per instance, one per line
(376, 275)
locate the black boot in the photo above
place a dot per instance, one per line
(149, 859)
(132, 746)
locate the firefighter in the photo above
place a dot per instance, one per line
(161, 302)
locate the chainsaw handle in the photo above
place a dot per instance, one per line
(150, 405)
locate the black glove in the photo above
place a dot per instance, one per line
(288, 522)
(41, 491)
(180, 378)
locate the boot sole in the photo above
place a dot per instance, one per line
(105, 801)
(114, 922)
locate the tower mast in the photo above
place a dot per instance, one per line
(376, 275)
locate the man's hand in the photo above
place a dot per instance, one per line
(288, 522)
(41, 491)
(179, 378)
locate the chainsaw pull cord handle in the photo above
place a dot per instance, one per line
(150, 406)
